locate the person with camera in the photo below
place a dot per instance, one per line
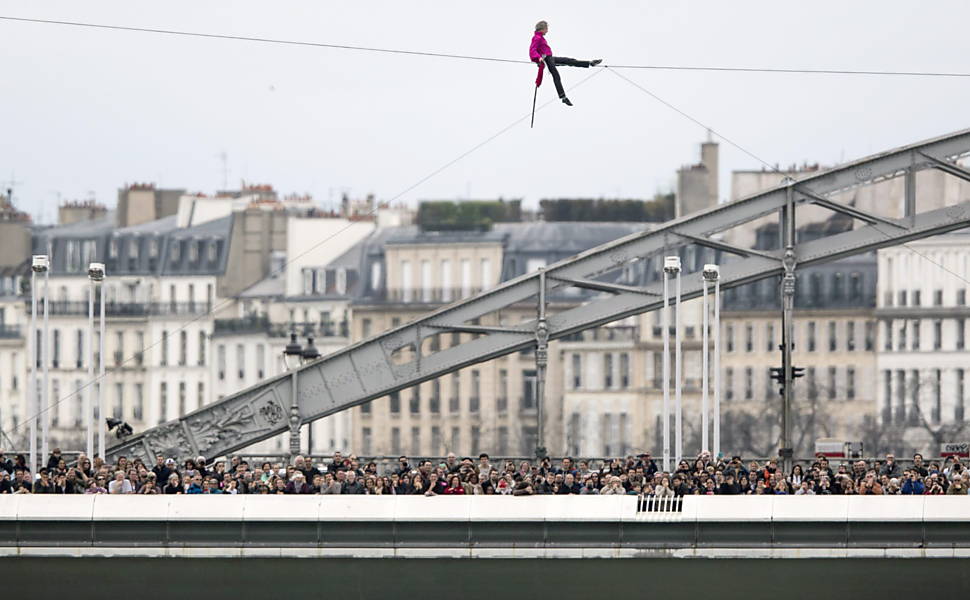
(912, 483)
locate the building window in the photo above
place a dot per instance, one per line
(434, 403)
(850, 336)
(395, 440)
(608, 371)
(201, 348)
(902, 335)
(365, 408)
(365, 440)
(486, 267)
(913, 412)
(162, 402)
(748, 383)
(749, 337)
(889, 336)
(812, 383)
(241, 360)
(183, 395)
(811, 336)
(466, 277)
(855, 286)
(573, 434)
(838, 286)
(415, 403)
(577, 370)
(938, 298)
(961, 325)
(79, 349)
(474, 399)
(200, 395)
(961, 398)
(426, 287)
(163, 359)
(435, 439)
(833, 340)
(502, 402)
(529, 389)
(916, 335)
(56, 353)
(456, 439)
(260, 361)
(221, 361)
(415, 440)
(937, 395)
(917, 297)
(395, 402)
(902, 298)
(729, 338)
(850, 383)
(446, 291)
(729, 383)
(870, 335)
(887, 385)
(961, 297)
(937, 334)
(454, 400)
(406, 281)
(832, 383)
(365, 325)
(503, 441)
(183, 348)
(624, 370)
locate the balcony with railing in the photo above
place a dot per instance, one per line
(130, 309)
(262, 325)
(9, 332)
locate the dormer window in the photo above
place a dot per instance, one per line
(176, 251)
(213, 249)
(193, 251)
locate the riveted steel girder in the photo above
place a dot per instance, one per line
(397, 359)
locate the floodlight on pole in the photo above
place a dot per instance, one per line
(95, 276)
(671, 266)
(39, 264)
(710, 275)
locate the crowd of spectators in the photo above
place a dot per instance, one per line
(635, 475)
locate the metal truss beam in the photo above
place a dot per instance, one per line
(395, 359)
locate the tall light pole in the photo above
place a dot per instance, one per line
(310, 353)
(678, 379)
(45, 419)
(95, 275)
(709, 275)
(294, 350)
(671, 266)
(39, 264)
(717, 364)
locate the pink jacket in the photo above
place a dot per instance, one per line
(539, 47)
(537, 50)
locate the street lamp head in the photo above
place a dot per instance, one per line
(293, 348)
(711, 272)
(672, 264)
(40, 263)
(96, 271)
(310, 352)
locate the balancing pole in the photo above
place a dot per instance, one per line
(534, 94)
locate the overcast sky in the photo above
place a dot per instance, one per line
(86, 110)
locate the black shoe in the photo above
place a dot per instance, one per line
(566, 101)
(595, 63)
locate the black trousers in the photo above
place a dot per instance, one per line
(552, 61)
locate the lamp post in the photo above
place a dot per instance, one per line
(710, 275)
(96, 276)
(39, 264)
(294, 350)
(671, 266)
(310, 353)
(45, 420)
